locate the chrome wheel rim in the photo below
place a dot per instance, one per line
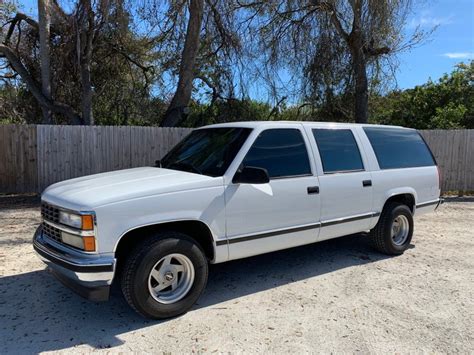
(171, 278)
(400, 230)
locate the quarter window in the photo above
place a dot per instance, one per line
(398, 148)
(338, 150)
(282, 152)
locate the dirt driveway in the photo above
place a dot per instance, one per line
(335, 296)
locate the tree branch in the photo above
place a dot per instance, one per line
(375, 52)
(329, 8)
(16, 21)
(34, 88)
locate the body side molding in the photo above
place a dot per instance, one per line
(328, 223)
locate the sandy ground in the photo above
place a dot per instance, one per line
(335, 296)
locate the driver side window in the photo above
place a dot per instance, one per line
(282, 152)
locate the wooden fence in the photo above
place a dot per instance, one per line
(454, 153)
(33, 157)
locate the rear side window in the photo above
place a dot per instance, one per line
(398, 148)
(338, 150)
(281, 151)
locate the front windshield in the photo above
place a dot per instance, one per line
(206, 151)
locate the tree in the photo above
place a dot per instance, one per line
(12, 55)
(333, 46)
(443, 104)
(74, 41)
(198, 45)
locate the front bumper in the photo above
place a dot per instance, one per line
(88, 275)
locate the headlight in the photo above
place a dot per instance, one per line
(86, 243)
(73, 240)
(70, 219)
(84, 222)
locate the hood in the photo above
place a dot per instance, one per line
(88, 192)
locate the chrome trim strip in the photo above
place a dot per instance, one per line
(349, 219)
(63, 228)
(68, 209)
(429, 203)
(328, 223)
(269, 234)
(60, 258)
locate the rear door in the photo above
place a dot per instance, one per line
(344, 180)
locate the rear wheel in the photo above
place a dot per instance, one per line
(392, 234)
(164, 276)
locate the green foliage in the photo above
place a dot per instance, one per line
(447, 103)
(16, 103)
(228, 111)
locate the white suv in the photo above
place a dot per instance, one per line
(231, 191)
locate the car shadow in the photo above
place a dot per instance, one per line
(38, 314)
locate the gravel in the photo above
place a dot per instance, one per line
(334, 296)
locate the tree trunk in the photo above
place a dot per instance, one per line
(359, 67)
(85, 44)
(178, 106)
(87, 114)
(44, 38)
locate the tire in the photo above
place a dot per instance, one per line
(393, 214)
(164, 250)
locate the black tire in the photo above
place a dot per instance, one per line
(137, 268)
(381, 235)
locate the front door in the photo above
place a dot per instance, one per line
(282, 213)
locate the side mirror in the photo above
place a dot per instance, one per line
(251, 175)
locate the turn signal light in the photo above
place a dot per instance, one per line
(89, 243)
(87, 222)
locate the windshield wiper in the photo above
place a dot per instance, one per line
(186, 166)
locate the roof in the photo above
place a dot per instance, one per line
(255, 124)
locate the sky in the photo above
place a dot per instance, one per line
(450, 44)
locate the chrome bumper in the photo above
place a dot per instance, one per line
(88, 275)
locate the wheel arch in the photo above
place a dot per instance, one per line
(195, 229)
(407, 196)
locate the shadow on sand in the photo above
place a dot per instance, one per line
(38, 314)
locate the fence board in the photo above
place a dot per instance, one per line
(454, 152)
(73, 151)
(33, 157)
(18, 165)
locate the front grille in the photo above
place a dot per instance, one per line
(49, 213)
(52, 232)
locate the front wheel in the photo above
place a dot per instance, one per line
(394, 230)
(164, 276)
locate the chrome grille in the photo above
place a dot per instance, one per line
(49, 213)
(52, 232)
